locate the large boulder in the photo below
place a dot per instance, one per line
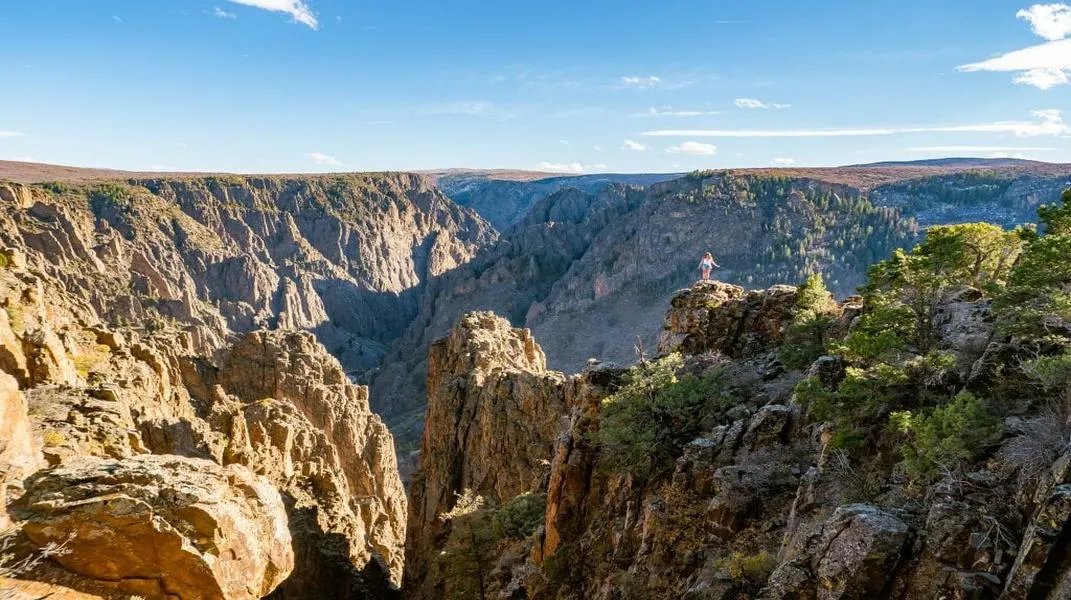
(863, 545)
(719, 317)
(162, 526)
(964, 323)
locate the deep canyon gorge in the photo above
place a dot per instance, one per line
(219, 387)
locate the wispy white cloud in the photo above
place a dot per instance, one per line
(325, 159)
(756, 103)
(640, 82)
(118, 19)
(1043, 66)
(10, 134)
(634, 146)
(298, 10)
(784, 162)
(668, 111)
(574, 167)
(693, 148)
(597, 148)
(219, 12)
(1048, 122)
(471, 108)
(979, 149)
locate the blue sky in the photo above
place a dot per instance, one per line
(347, 85)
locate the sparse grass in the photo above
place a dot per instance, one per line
(13, 566)
(53, 438)
(91, 359)
(750, 570)
(16, 317)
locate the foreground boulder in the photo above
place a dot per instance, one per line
(163, 526)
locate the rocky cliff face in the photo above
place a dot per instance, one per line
(505, 202)
(493, 412)
(343, 256)
(763, 503)
(181, 459)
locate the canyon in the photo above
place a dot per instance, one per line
(214, 386)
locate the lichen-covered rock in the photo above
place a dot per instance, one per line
(964, 321)
(162, 526)
(855, 555)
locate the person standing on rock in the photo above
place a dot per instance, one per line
(707, 265)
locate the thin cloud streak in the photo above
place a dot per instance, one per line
(1050, 123)
(574, 168)
(980, 149)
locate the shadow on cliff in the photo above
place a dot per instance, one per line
(323, 568)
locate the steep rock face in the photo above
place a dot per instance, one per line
(292, 415)
(342, 256)
(162, 525)
(506, 202)
(493, 412)
(1005, 198)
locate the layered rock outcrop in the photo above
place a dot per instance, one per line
(717, 317)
